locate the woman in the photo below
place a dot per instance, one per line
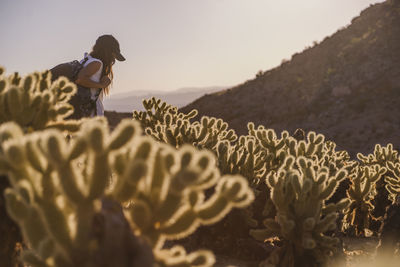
(96, 74)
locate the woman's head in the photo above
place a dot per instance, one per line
(107, 50)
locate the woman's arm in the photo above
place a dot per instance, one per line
(85, 74)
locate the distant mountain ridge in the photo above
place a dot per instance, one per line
(129, 101)
(346, 87)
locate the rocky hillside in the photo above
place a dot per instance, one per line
(346, 87)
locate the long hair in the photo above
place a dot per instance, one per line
(105, 54)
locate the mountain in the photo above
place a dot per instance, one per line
(126, 102)
(346, 87)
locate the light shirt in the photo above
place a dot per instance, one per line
(96, 78)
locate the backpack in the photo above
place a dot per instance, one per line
(84, 105)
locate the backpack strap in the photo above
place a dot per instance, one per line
(76, 68)
(98, 94)
(95, 101)
(84, 61)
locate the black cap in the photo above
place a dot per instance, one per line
(109, 40)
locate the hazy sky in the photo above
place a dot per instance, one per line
(169, 44)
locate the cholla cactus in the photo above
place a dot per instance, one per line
(59, 189)
(381, 156)
(168, 125)
(274, 148)
(257, 155)
(55, 196)
(299, 190)
(361, 192)
(235, 156)
(274, 152)
(169, 203)
(243, 157)
(164, 123)
(34, 102)
(155, 112)
(393, 183)
(389, 233)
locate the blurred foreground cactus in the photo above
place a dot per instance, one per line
(35, 103)
(10, 235)
(66, 196)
